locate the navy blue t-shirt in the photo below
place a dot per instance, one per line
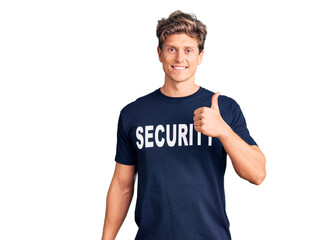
(180, 171)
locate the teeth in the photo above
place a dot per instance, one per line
(180, 68)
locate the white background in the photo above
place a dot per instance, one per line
(67, 68)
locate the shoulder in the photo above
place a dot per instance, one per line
(229, 108)
(137, 104)
(223, 100)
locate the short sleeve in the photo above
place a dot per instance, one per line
(125, 152)
(239, 126)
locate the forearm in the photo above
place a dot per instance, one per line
(248, 161)
(118, 203)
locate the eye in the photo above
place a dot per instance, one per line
(171, 49)
(189, 50)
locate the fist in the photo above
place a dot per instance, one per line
(207, 120)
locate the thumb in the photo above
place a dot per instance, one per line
(214, 101)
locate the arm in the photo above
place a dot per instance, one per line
(119, 197)
(248, 161)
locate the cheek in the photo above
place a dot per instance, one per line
(194, 61)
(194, 64)
(165, 59)
(168, 58)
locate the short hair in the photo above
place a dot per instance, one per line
(179, 22)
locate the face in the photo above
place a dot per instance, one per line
(180, 57)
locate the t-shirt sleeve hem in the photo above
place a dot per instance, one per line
(247, 138)
(124, 162)
(250, 141)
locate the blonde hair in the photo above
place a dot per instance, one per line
(179, 22)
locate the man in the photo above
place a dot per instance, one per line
(176, 139)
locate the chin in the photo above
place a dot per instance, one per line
(180, 80)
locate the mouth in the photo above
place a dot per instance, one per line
(179, 68)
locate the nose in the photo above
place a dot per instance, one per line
(180, 56)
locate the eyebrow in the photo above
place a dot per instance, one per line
(169, 45)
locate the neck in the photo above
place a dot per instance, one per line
(179, 89)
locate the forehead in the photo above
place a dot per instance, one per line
(180, 40)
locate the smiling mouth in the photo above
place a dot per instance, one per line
(180, 68)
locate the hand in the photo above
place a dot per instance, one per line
(209, 121)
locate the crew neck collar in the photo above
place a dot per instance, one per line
(180, 99)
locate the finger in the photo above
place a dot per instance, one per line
(197, 123)
(214, 101)
(197, 117)
(197, 128)
(198, 110)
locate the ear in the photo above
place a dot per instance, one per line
(159, 53)
(201, 56)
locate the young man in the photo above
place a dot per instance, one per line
(176, 139)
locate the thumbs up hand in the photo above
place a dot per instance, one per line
(209, 121)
